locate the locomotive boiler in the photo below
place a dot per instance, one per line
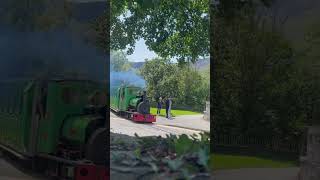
(132, 103)
(57, 126)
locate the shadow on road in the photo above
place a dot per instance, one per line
(12, 168)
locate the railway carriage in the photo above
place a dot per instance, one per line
(56, 125)
(132, 103)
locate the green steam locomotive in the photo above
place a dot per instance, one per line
(56, 125)
(132, 103)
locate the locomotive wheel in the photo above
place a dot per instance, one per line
(96, 149)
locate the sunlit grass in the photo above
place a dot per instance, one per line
(223, 161)
(173, 112)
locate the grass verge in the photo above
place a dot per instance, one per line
(174, 112)
(227, 161)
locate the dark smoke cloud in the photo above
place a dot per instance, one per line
(54, 53)
(58, 52)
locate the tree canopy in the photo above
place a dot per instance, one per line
(187, 86)
(263, 86)
(36, 14)
(177, 29)
(119, 61)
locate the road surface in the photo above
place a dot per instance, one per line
(125, 126)
(10, 172)
(257, 174)
(195, 122)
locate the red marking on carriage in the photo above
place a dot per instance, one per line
(137, 117)
(91, 172)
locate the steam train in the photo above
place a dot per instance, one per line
(131, 102)
(57, 126)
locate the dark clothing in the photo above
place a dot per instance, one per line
(159, 105)
(167, 103)
(167, 108)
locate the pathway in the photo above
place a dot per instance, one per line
(257, 174)
(10, 172)
(162, 127)
(195, 122)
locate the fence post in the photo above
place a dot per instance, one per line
(206, 113)
(310, 164)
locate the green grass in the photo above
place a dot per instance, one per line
(223, 161)
(174, 112)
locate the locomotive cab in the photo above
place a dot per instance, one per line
(132, 102)
(60, 125)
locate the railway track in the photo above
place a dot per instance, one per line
(125, 126)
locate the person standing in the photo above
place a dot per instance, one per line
(159, 106)
(167, 107)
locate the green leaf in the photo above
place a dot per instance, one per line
(203, 158)
(182, 144)
(137, 153)
(175, 164)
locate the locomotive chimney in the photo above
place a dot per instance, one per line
(144, 96)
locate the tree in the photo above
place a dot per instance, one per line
(170, 28)
(100, 27)
(308, 64)
(36, 14)
(255, 85)
(196, 88)
(46, 15)
(162, 78)
(119, 61)
(185, 85)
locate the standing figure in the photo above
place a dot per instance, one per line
(169, 109)
(159, 106)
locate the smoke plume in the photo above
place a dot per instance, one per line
(54, 53)
(126, 78)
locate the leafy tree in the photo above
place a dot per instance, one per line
(45, 15)
(254, 83)
(162, 78)
(263, 85)
(308, 64)
(119, 61)
(36, 14)
(171, 28)
(185, 85)
(196, 88)
(100, 27)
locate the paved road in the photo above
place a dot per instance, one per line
(195, 122)
(9, 172)
(125, 126)
(257, 174)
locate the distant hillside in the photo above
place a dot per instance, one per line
(137, 65)
(201, 64)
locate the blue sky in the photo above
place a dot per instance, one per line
(141, 52)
